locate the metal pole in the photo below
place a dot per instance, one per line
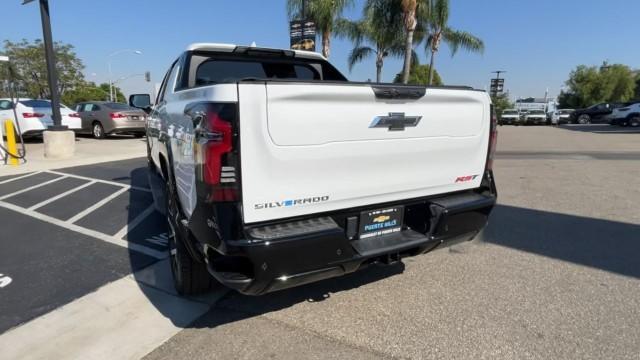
(110, 83)
(51, 66)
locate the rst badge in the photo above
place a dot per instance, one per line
(395, 121)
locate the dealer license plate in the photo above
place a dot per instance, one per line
(381, 221)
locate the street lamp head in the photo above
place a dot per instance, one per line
(4, 58)
(138, 52)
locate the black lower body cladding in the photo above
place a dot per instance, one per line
(293, 252)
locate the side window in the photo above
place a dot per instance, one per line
(95, 107)
(163, 87)
(169, 80)
(5, 104)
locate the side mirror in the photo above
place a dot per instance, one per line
(140, 101)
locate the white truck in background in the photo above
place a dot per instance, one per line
(275, 171)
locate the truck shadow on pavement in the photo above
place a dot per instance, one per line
(601, 129)
(603, 244)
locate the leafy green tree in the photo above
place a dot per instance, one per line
(439, 31)
(588, 85)
(378, 33)
(501, 102)
(637, 90)
(28, 60)
(420, 76)
(324, 13)
(89, 91)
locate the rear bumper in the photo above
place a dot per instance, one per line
(299, 252)
(133, 128)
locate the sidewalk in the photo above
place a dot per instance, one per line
(88, 151)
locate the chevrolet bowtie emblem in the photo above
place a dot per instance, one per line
(395, 121)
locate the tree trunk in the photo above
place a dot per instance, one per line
(326, 42)
(408, 47)
(410, 28)
(433, 56)
(379, 64)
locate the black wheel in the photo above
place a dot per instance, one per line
(190, 277)
(138, 135)
(584, 119)
(97, 130)
(634, 121)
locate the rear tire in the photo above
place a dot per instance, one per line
(97, 130)
(584, 119)
(634, 121)
(138, 135)
(190, 277)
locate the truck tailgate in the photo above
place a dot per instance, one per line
(310, 148)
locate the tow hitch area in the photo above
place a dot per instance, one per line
(390, 259)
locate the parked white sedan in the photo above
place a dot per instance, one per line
(34, 116)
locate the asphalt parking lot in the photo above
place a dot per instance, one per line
(555, 275)
(66, 233)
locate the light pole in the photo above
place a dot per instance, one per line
(137, 52)
(51, 64)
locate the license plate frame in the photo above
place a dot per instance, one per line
(379, 222)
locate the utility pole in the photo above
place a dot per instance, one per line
(497, 84)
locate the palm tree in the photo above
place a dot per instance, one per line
(412, 12)
(323, 12)
(379, 33)
(439, 30)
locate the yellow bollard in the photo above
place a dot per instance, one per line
(11, 142)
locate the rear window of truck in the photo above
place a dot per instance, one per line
(208, 70)
(224, 71)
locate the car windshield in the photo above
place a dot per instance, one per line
(536, 112)
(118, 106)
(510, 112)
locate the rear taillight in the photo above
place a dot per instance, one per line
(117, 116)
(29, 115)
(493, 139)
(215, 149)
(74, 115)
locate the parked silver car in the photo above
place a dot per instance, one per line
(102, 118)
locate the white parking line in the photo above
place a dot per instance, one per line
(84, 231)
(19, 177)
(99, 180)
(133, 223)
(50, 200)
(95, 206)
(32, 187)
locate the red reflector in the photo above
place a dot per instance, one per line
(117, 115)
(75, 115)
(32, 115)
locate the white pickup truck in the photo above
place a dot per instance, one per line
(275, 171)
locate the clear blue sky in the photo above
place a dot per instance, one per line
(537, 42)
